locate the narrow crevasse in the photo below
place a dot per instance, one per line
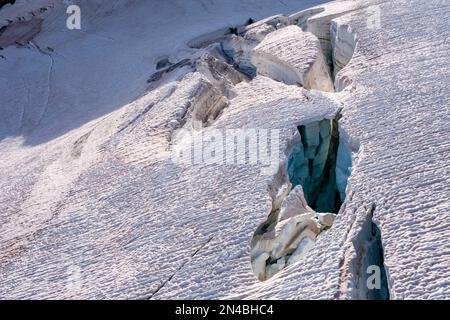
(320, 161)
(343, 44)
(367, 274)
(316, 174)
(311, 185)
(312, 164)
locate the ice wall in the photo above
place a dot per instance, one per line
(312, 164)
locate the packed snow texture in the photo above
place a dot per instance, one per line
(294, 57)
(93, 204)
(289, 232)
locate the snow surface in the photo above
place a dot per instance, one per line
(300, 56)
(92, 204)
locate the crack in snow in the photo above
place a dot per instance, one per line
(318, 166)
(180, 268)
(367, 252)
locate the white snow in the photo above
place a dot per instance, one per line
(298, 54)
(93, 205)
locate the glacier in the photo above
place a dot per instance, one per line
(349, 97)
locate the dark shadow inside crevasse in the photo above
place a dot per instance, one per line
(377, 258)
(312, 164)
(368, 271)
